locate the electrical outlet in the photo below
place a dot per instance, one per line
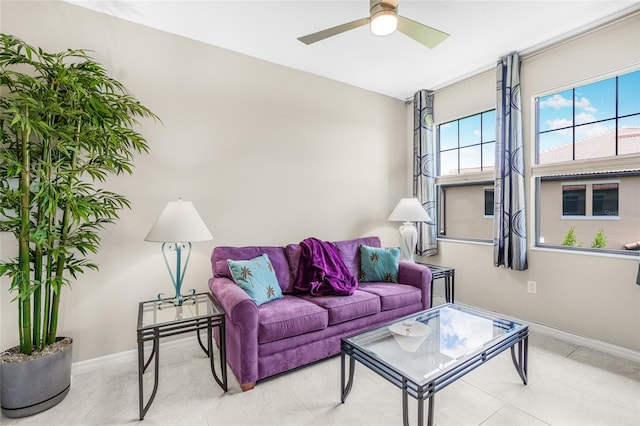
(532, 287)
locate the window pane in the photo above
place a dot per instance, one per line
(595, 101)
(488, 202)
(629, 135)
(618, 231)
(555, 111)
(489, 126)
(596, 140)
(470, 130)
(629, 93)
(448, 135)
(449, 162)
(590, 211)
(470, 159)
(573, 200)
(462, 141)
(605, 199)
(555, 146)
(488, 156)
(463, 207)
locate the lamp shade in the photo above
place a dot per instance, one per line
(179, 222)
(409, 210)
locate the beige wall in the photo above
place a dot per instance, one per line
(590, 295)
(267, 154)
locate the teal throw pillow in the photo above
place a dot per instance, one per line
(379, 264)
(257, 277)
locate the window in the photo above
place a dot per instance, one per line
(600, 119)
(605, 199)
(488, 202)
(587, 170)
(573, 200)
(465, 163)
(467, 145)
(463, 211)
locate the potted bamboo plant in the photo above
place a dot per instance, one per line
(65, 126)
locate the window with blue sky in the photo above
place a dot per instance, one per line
(600, 119)
(468, 144)
(596, 200)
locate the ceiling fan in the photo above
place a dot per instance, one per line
(384, 19)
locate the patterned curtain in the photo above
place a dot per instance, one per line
(424, 176)
(509, 215)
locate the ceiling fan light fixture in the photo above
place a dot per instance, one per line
(384, 22)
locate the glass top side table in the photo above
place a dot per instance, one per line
(158, 319)
(448, 274)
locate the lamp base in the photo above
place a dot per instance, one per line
(409, 236)
(178, 299)
(180, 269)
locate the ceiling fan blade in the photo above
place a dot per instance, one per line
(330, 32)
(421, 33)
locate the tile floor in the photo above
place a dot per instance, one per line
(568, 385)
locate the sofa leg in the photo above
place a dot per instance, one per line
(247, 386)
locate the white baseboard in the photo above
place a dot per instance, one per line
(125, 356)
(598, 345)
(608, 348)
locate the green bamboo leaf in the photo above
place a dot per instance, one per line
(75, 125)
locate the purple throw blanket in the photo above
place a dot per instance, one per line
(322, 271)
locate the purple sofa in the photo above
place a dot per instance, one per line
(296, 330)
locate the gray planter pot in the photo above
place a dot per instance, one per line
(33, 386)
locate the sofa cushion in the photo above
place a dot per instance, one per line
(257, 278)
(276, 255)
(379, 264)
(350, 252)
(293, 252)
(392, 295)
(288, 317)
(345, 308)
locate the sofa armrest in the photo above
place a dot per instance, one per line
(241, 328)
(418, 276)
(235, 302)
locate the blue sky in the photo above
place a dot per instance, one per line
(473, 130)
(593, 103)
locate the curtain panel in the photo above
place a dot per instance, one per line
(424, 176)
(509, 216)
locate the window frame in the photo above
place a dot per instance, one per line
(578, 186)
(488, 189)
(589, 183)
(480, 145)
(476, 178)
(603, 169)
(572, 87)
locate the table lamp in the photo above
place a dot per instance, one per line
(409, 210)
(178, 225)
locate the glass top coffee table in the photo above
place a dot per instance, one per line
(425, 352)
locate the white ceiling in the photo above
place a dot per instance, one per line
(395, 65)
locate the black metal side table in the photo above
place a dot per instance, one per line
(158, 319)
(448, 274)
